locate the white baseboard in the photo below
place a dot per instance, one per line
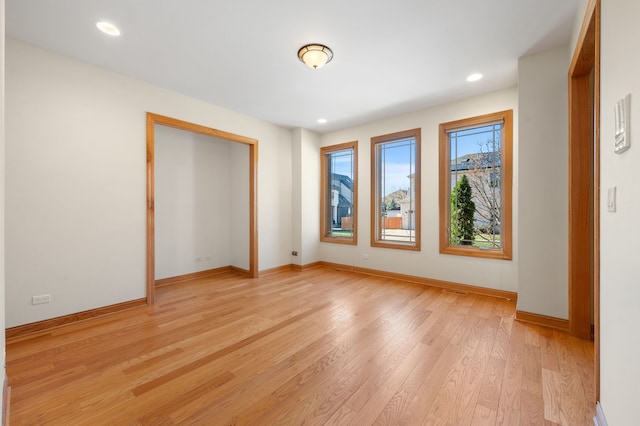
(599, 419)
(6, 399)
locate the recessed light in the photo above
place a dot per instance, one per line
(322, 120)
(108, 28)
(474, 77)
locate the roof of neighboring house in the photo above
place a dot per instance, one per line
(479, 160)
(344, 179)
(395, 195)
(343, 201)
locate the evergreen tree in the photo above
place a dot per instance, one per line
(462, 211)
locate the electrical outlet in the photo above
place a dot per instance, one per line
(43, 298)
(365, 256)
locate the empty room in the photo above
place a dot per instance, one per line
(345, 213)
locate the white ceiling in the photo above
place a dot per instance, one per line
(390, 57)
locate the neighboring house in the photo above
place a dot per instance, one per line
(394, 196)
(483, 171)
(341, 199)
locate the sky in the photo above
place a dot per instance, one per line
(473, 140)
(399, 163)
(341, 162)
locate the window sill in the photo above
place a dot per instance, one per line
(338, 240)
(500, 254)
(396, 245)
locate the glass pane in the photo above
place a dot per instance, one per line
(475, 187)
(396, 191)
(340, 185)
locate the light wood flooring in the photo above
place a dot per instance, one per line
(312, 347)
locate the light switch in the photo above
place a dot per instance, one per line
(611, 199)
(621, 122)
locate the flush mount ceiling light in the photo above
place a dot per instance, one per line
(108, 28)
(474, 77)
(322, 120)
(315, 55)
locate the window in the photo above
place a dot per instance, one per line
(395, 195)
(475, 186)
(338, 218)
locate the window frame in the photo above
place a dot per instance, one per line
(375, 205)
(325, 197)
(506, 180)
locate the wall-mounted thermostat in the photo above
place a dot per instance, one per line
(622, 122)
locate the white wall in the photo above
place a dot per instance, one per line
(2, 204)
(296, 195)
(75, 189)
(197, 221)
(496, 274)
(310, 196)
(543, 183)
(238, 205)
(619, 231)
(306, 196)
(577, 23)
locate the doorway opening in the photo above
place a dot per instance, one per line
(152, 121)
(584, 184)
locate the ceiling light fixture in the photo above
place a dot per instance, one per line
(108, 28)
(474, 77)
(322, 120)
(315, 55)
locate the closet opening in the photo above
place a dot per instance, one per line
(221, 178)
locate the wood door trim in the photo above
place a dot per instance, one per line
(152, 120)
(586, 57)
(596, 211)
(580, 219)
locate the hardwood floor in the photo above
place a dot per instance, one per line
(312, 347)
